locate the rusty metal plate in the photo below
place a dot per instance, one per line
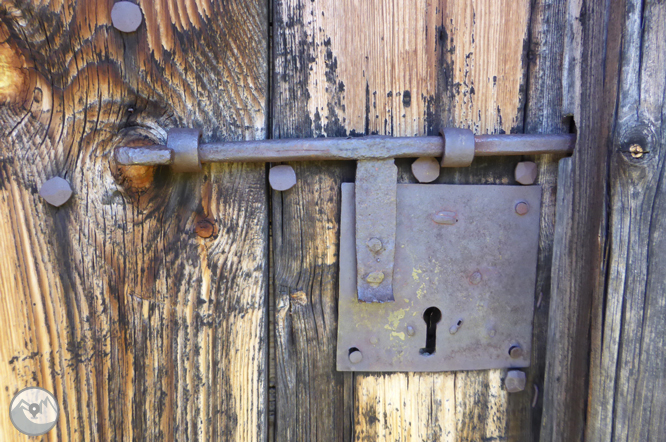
(376, 182)
(465, 251)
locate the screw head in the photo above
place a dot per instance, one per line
(282, 177)
(126, 16)
(374, 245)
(426, 170)
(355, 356)
(375, 278)
(636, 150)
(522, 208)
(515, 381)
(56, 191)
(526, 172)
(516, 352)
(410, 331)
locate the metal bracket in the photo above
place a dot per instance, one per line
(463, 281)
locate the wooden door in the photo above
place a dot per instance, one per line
(162, 306)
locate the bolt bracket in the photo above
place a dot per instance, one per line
(460, 248)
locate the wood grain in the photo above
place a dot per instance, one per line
(578, 274)
(142, 329)
(342, 69)
(628, 371)
(544, 113)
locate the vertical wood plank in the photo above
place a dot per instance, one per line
(544, 113)
(141, 328)
(398, 68)
(628, 371)
(577, 283)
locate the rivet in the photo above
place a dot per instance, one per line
(355, 356)
(56, 191)
(375, 278)
(522, 208)
(374, 245)
(126, 16)
(374, 340)
(282, 177)
(426, 170)
(445, 218)
(515, 352)
(410, 330)
(475, 278)
(636, 150)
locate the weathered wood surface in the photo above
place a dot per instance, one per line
(577, 285)
(628, 365)
(401, 69)
(141, 328)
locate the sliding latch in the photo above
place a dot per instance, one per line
(432, 277)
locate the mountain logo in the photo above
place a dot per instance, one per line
(34, 411)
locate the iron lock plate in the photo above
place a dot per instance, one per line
(462, 249)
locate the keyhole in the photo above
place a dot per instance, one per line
(431, 316)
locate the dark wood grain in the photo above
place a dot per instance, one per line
(544, 114)
(628, 372)
(577, 282)
(142, 329)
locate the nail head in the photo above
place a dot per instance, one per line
(56, 191)
(522, 208)
(126, 16)
(282, 177)
(426, 170)
(526, 172)
(355, 356)
(374, 245)
(515, 381)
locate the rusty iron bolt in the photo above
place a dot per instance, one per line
(282, 178)
(636, 150)
(410, 331)
(426, 170)
(374, 245)
(522, 208)
(56, 191)
(126, 16)
(355, 356)
(516, 352)
(526, 172)
(515, 381)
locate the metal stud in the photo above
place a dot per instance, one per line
(126, 16)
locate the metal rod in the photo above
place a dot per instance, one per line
(350, 148)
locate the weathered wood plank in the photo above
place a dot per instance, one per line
(403, 69)
(628, 372)
(142, 329)
(577, 276)
(543, 114)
